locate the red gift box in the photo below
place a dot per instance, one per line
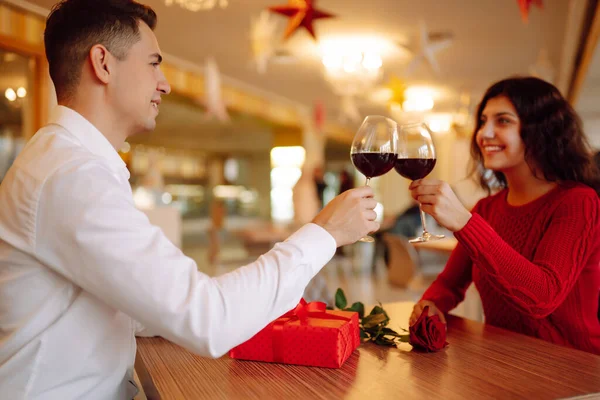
(308, 335)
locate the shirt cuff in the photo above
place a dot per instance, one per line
(316, 244)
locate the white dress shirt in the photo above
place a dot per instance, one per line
(79, 265)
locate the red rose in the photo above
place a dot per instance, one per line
(428, 333)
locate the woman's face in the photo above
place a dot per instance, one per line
(499, 136)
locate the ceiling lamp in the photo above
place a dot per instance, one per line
(351, 73)
(418, 99)
(12, 95)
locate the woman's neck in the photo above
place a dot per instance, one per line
(524, 187)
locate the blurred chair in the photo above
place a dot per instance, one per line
(403, 262)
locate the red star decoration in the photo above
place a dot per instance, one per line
(302, 13)
(525, 5)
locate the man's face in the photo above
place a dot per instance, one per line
(139, 83)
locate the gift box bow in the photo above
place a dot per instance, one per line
(302, 312)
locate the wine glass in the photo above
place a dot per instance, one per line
(416, 159)
(373, 150)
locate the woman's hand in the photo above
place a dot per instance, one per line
(418, 309)
(438, 200)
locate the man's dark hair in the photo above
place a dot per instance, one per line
(75, 26)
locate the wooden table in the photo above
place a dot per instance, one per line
(480, 362)
(441, 246)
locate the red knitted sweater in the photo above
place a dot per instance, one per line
(536, 266)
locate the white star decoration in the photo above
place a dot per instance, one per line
(263, 39)
(215, 106)
(427, 46)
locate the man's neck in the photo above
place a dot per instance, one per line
(102, 118)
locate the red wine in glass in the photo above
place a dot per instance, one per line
(416, 159)
(414, 168)
(373, 151)
(372, 164)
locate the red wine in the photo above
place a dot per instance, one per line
(373, 164)
(414, 168)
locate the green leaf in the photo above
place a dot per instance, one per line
(376, 310)
(382, 341)
(379, 310)
(390, 332)
(340, 299)
(373, 327)
(373, 320)
(364, 335)
(357, 307)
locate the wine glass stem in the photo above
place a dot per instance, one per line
(423, 220)
(367, 183)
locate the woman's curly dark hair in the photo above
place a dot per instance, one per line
(556, 148)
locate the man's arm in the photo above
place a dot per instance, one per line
(89, 231)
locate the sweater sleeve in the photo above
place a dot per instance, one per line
(539, 286)
(449, 288)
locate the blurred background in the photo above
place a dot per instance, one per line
(255, 137)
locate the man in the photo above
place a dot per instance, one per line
(81, 269)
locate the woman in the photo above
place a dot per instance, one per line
(533, 248)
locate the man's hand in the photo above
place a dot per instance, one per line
(349, 216)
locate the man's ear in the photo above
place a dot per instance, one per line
(102, 62)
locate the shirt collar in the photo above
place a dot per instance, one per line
(88, 135)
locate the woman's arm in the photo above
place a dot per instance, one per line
(449, 288)
(539, 286)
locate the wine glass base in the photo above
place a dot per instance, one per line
(367, 239)
(426, 237)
